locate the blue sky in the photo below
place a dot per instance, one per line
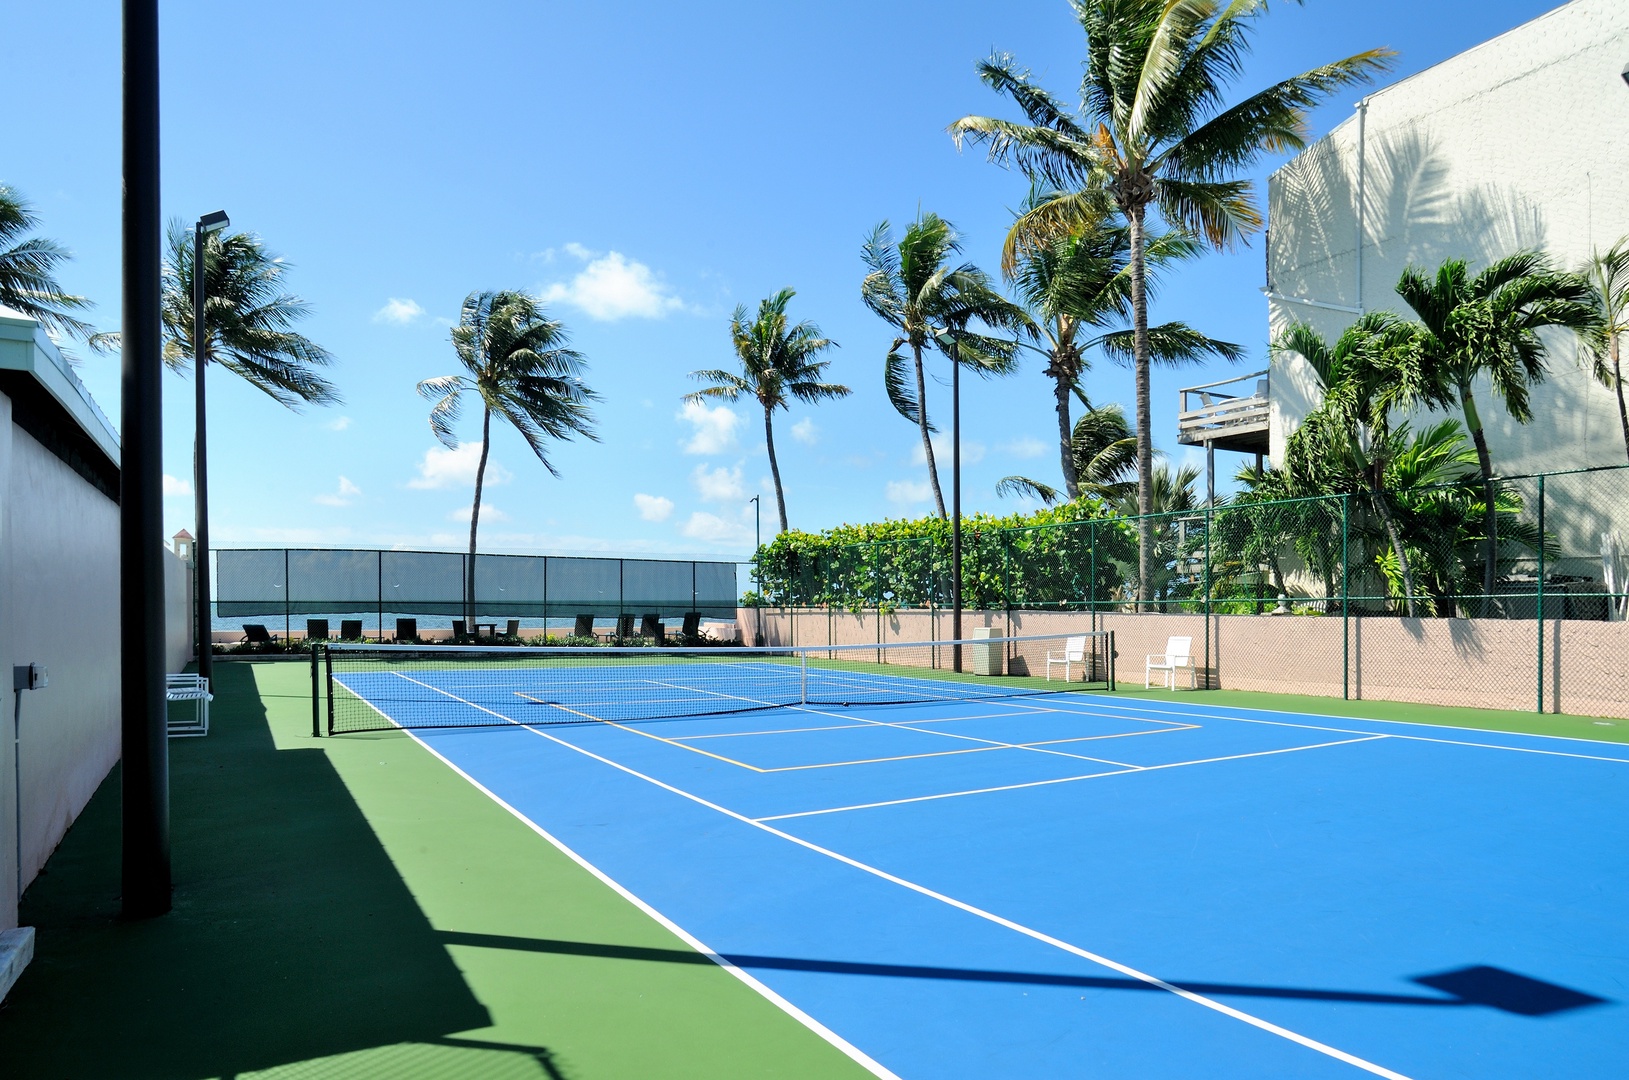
(645, 167)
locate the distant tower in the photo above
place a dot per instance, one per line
(183, 545)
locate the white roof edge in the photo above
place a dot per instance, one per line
(53, 372)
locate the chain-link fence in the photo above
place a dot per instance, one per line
(1504, 595)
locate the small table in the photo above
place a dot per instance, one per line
(486, 629)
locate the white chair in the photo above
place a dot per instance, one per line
(1074, 652)
(193, 688)
(1178, 654)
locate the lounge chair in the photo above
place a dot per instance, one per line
(624, 626)
(459, 629)
(651, 626)
(316, 629)
(1074, 652)
(350, 629)
(256, 634)
(584, 627)
(513, 629)
(407, 630)
(692, 626)
(1178, 654)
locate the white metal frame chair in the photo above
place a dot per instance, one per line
(1074, 652)
(1178, 654)
(193, 688)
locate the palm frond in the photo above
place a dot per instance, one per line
(1023, 487)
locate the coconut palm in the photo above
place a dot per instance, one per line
(28, 265)
(1078, 283)
(1608, 278)
(929, 302)
(516, 361)
(1152, 131)
(1487, 325)
(777, 364)
(1103, 459)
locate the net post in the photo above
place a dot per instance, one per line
(1346, 601)
(1112, 685)
(1540, 605)
(316, 695)
(328, 665)
(803, 677)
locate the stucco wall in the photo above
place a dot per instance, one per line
(59, 606)
(1478, 663)
(1520, 142)
(178, 643)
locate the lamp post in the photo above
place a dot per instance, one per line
(757, 570)
(956, 506)
(209, 223)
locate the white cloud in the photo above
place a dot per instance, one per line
(176, 486)
(805, 431)
(398, 311)
(972, 452)
(613, 286)
(653, 507)
(338, 423)
(909, 491)
(718, 485)
(715, 427)
(711, 527)
(346, 494)
(488, 513)
(1026, 446)
(442, 467)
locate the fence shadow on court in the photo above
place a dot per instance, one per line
(1480, 984)
(293, 937)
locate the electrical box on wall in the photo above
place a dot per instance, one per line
(30, 677)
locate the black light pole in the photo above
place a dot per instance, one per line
(757, 571)
(207, 224)
(956, 505)
(145, 869)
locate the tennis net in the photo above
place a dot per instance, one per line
(376, 687)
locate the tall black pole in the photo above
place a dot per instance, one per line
(200, 464)
(757, 570)
(146, 789)
(956, 506)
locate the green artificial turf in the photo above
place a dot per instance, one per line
(351, 908)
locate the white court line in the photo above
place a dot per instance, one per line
(922, 890)
(1066, 779)
(1359, 731)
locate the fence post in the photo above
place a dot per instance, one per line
(1091, 579)
(379, 566)
(1210, 527)
(1540, 604)
(1346, 601)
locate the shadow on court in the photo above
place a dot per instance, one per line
(293, 937)
(1482, 985)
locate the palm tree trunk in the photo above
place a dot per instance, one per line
(1617, 380)
(1490, 518)
(475, 519)
(1145, 436)
(1066, 448)
(1396, 538)
(927, 439)
(774, 466)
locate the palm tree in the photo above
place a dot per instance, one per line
(1487, 325)
(516, 361)
(1102, 457)
(777, 363)
(1346, 444)
(1151, 131)
(1079, 282)
(28, 264)
(1608, 278)
(929, 302)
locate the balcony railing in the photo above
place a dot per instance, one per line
(1230, 415)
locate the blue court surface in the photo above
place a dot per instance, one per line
(1082, 885)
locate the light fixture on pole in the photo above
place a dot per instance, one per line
(209, 223)
(956, 502)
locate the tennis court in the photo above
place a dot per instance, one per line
(951, 877)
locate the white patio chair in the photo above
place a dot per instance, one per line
(1074, 652)
(1178, 654)
(193, 688)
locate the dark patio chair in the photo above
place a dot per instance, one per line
(651, 626)
(692, 625)
(407, 630)
(256, 634)
(624, 626)
(513, 629)
(584, 627)
(459, 628)
(316, 629)
(350, 629)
